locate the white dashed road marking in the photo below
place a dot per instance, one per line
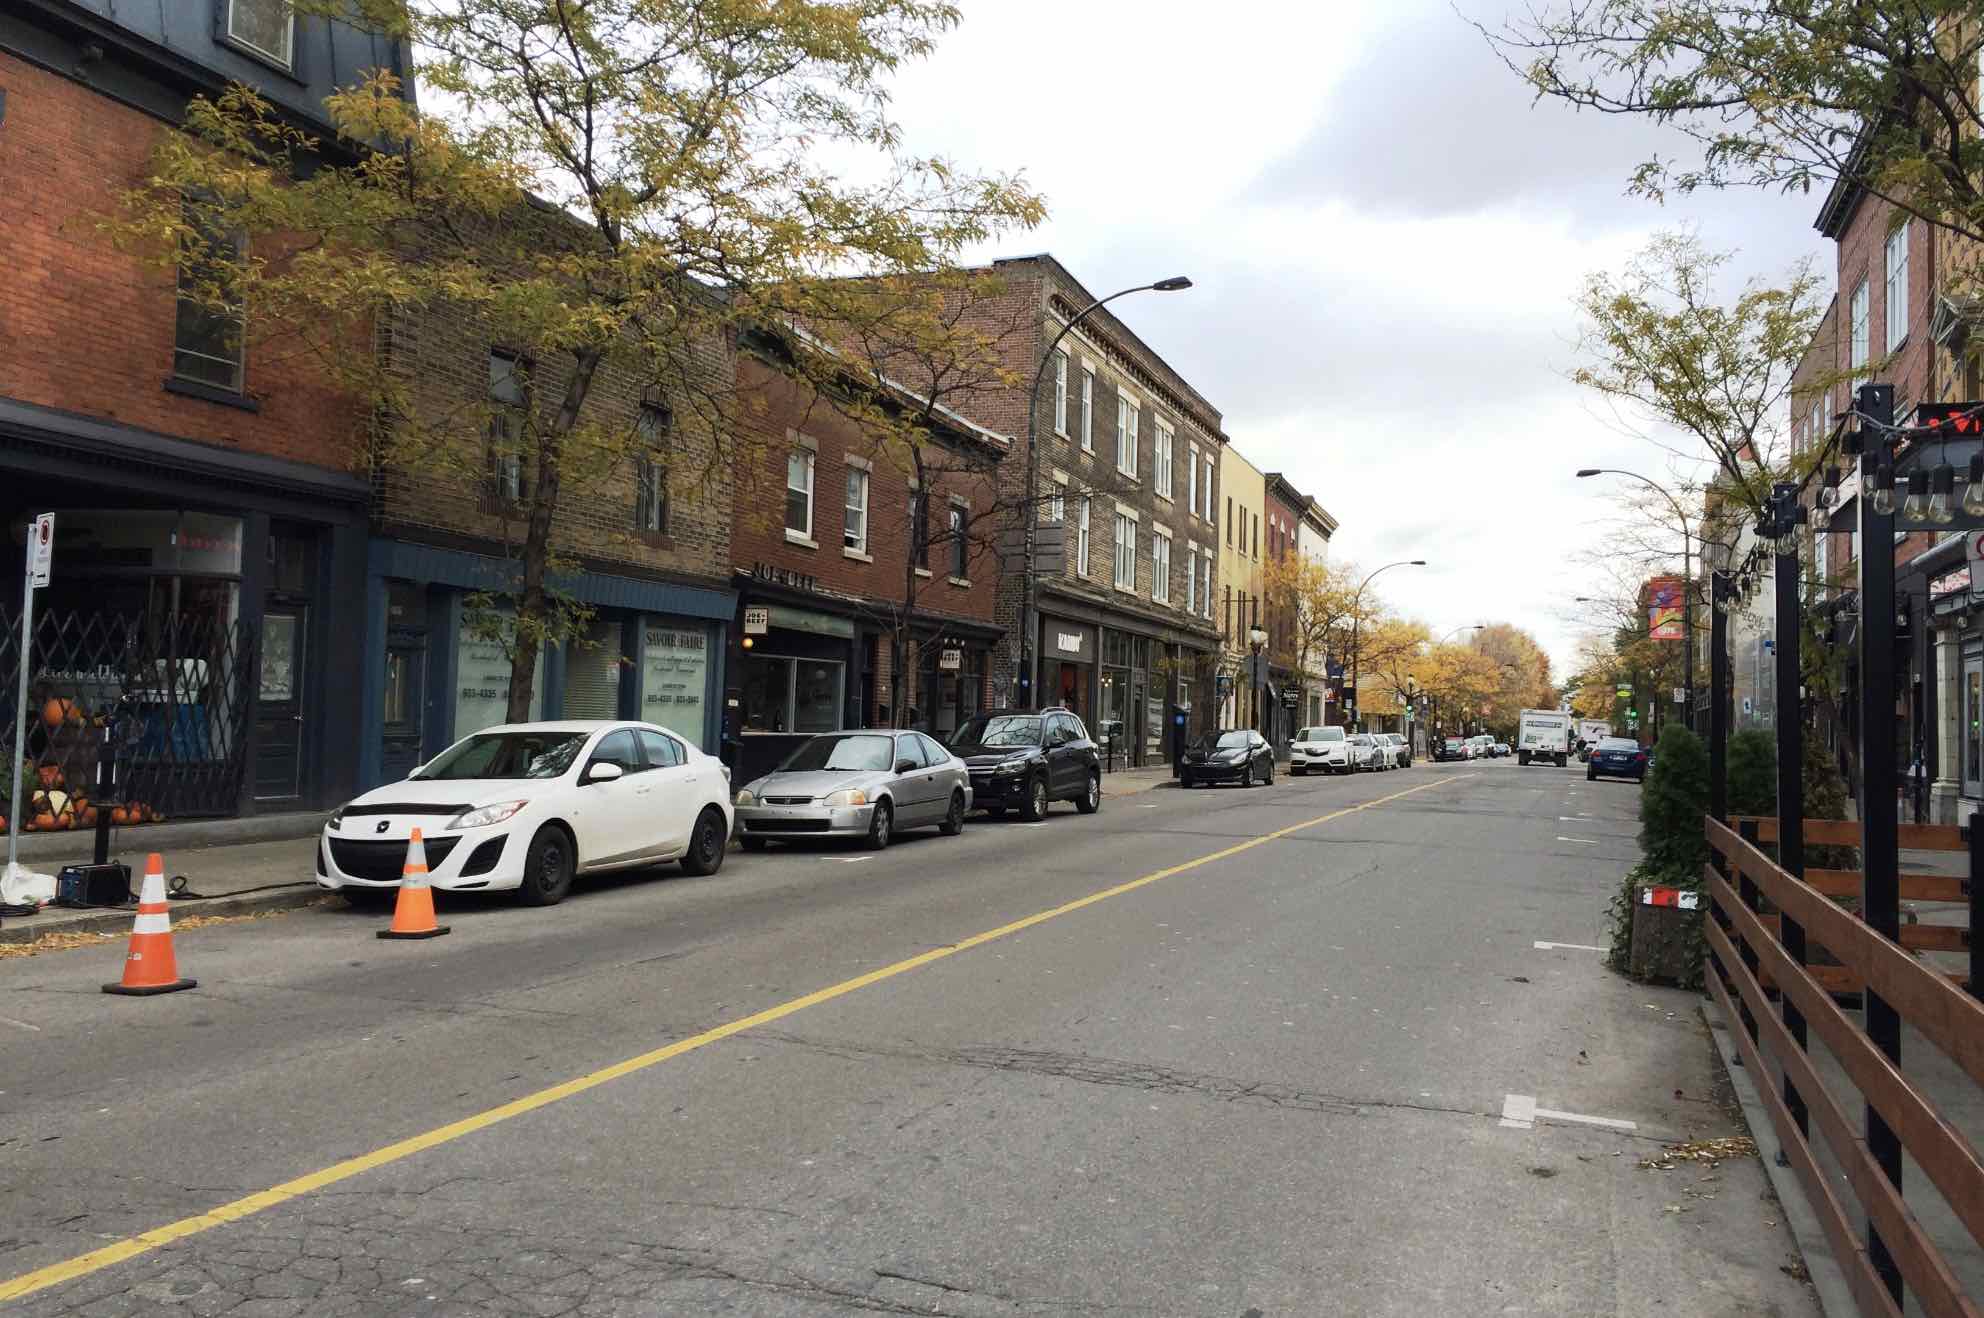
(1519, 1112)
(1575, 947)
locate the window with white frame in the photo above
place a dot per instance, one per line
(207, 344)
(1126, 551)
(1081, 538)
(1191, 578)
(267, 27)
(1192, 478)
(1126, 434)
(1055, 506)
(1088, 408)
(1205, 584)
(854, 525)
(1859, 347)
(960, 533)
(1161, 460)
(1897, 288)
(1061, 393)
(651, 469)
(509, 415)
(1160, 565)
(799, 493)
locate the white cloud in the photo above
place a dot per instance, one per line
(1385, 237)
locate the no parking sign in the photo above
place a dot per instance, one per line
(1973, 548)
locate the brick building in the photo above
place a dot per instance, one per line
(211, 525)
(1280, 547)
(851, 551)
(1128, 461)
(1239, 609)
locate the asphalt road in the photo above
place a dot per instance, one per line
(1287, 1051)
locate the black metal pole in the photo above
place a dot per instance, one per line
(1719, 590)
(1790, 773)
(1880, 857)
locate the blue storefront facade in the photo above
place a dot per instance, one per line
(652, 650)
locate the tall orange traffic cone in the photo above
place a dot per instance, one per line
(413, 913)
(150, 967)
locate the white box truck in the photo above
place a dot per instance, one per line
(1544, 734)
(1591, 729)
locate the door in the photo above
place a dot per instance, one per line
(945, 776)
(403, 703)
(915, 788)
(614, 826)
(671, 792)
(279, 708)
(1062, 762)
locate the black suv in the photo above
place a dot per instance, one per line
(1023, 759)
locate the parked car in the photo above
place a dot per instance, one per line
(1499, 750)
(871, 784)
(1481, 747)
(1449, 748)
(1616, 757)
(1230, 755)
(1364, 753)
(1401, 750)
(531, 806)
(1024, 760)
(1324, 750)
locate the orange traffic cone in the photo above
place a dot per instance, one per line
(413, 913)
(150, 967)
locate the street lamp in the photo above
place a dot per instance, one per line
(1029, 619)
(1357, 617)
(1257, 640)
(1687, 582)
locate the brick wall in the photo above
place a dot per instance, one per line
(87, 329)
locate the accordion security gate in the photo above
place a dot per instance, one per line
(174, 697)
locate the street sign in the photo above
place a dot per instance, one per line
(757, 621)
(1291, 698)
(1680, 695)
(1625, 692)
(950, 661)
(41, 549)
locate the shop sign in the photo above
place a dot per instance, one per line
(674, 677)
(819, 624)
(757, 620)
(1291, 698)
(950, 661)
(482, 682)
(1070, 641)
(784, 576)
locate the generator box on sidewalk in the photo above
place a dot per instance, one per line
(1665, 921)
(93, 885)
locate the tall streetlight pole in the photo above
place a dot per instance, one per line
(1029, 619)
(1687, 585)
(1356, 618)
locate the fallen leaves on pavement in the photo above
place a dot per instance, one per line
(63, 941)
(1708, 1151)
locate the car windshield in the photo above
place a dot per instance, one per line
(1321, 734)
(1360, 740)
(1618, 744)
(1224, 741)
(506, 755)
(1453, 743)
(999, 730)
(851, 752)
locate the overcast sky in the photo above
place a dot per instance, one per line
(1386, 237)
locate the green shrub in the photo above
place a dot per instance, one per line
(1672, 805)
(1753, 773)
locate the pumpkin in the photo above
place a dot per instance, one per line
(76, 719)
(44, 820)
(53, 711)
(87, 816)
(139, 811)
(50, 774)
(66, 819)
(119, 815)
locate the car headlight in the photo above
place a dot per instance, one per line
(483, 816)
(846, 796)
(744, 797)
(1011, 766)
(337, 815)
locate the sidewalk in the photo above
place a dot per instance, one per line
(1128, 782)
(237, 879)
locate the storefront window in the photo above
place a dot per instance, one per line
(783, 694)
(592, 672)
(674, 676)
(950, 696)
(482, 683)
(402, 687)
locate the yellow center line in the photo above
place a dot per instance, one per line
(97, 1259)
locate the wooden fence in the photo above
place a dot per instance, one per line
(1767, 986)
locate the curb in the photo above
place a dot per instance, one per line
(1835, 1297)
(192, 834)
(290, 896)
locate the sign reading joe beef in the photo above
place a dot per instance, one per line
(674, 675)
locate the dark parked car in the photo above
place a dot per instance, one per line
(1616, 757)
(1024, 759)
(1231, 755)
(1453, 748)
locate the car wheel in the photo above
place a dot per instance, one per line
(707, 842)
(548, 868)
(752, 843)
(1247, 776)
(1035, 806)
(878, 826)
(953, 818)
(1090, 800)
(1267, 775)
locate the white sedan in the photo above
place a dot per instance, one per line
(530, 806)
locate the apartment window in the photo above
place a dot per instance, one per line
(1057, 501)
(799, 494)
(1061, 393)
(1192, 578)
(919, 529)
(1088, 409)
(651, 470)
(1126, 435)
(1205, 586)
(1126, 552)
(960, 523)
(207, 326)
(1897, 290)
(1859, 349)
(1192, 479)
(1081, 540)
(1229, 521)
(509, 409)
(1256, 552)
(267, 27)
(1160, 565)
(854, 524)
(1161, 462)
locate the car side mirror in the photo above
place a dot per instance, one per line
(907, 766)
(603, 772)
